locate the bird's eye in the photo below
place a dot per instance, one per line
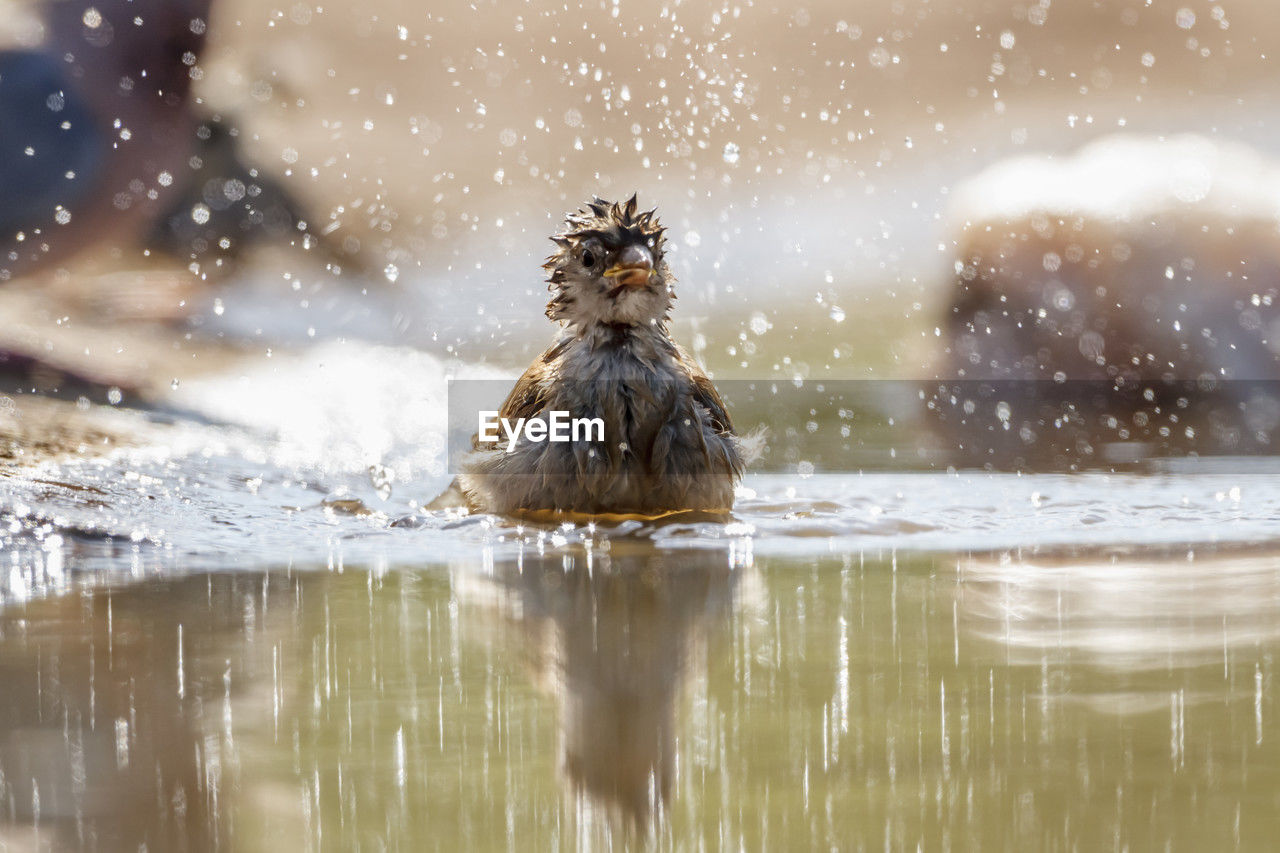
(588, 259)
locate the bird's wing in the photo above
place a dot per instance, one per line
(706, 395)
(529, 397)
(51, 147)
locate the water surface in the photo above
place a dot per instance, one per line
(626, 693)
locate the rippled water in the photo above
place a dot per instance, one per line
(198, 512)
(249, 635)
(288, 471)
(625, 694)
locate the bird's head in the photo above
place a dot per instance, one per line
(609, 267)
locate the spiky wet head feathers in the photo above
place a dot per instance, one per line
(615, 223)
(578, 293)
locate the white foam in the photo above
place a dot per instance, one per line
(340, 406)
(1126, 177)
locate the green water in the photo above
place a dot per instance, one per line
(625, 696)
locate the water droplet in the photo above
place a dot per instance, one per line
(381, 477)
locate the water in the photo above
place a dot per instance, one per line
(631, 695)
(246, 633)
(325, 456)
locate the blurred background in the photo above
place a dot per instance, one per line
(805, 158)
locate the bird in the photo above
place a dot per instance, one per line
(96, 126)
(669, 444)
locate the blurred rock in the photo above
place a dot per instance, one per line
(1119, 303)
(94, 126)
(102, 144)
(226, 207)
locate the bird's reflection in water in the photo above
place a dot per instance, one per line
(116, 712)
(616, 636)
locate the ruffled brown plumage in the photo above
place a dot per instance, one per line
(669, 442)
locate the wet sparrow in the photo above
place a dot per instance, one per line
(668, 443)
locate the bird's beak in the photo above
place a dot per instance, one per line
(634, 267)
